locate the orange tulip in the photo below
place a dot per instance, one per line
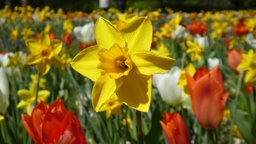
(234, 58)
(208, 96)
(174, 129)
(197, 27)
(53, 125)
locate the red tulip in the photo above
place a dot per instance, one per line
(53, 125)
(174, 129)
(67, 38)
(208, 96)
(197, 27)
(240, 29)
(234, 58)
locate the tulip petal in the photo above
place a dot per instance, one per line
(138, 34)
(149, 63)
(28, 125)
(38, 117)
(86, 62)
(135, 91)
(107, 35)
(207, 101)
(102, 91)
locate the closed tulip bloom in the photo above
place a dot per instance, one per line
(53, 125)
(167, 85)
(174, 129)
(85, 33)
(208, 96)
(234, 58)
(4, 92)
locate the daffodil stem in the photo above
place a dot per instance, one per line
(37, 86)
(234, 105)
(183, 60)
(75, 83)
(139, 128)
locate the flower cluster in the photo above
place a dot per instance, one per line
(152, 76)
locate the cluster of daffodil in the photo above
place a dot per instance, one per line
(139, 76)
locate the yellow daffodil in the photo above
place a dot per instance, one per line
(28, 97)
(14, 34)
(121, 63)
(194, 49)
(68, 26)
(112, 106)
(248, 64)
(44, 52)
(162, 50)
(182, 80)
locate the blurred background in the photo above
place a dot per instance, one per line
(183, 5)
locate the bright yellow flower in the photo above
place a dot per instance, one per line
(183, 80)
(248, 64)
(68, 26)
(112, 106)
(121, 63)
(44, 52)
(14, 34)
(194, 49)
(47, 29)
(162, 50)
(28, 97)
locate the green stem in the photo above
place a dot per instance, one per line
(139, 128)
(234, 105)
(91, 123)
(37, 86)
(213, 136)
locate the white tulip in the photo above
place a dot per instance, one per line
(85, 33)
(179, 32)
(250, 40)
(212, 62)
(4, 91)
(167, 85)
(202, 41)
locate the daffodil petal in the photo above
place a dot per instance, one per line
(149, 63)
(43, 67)
(25, 94)
(138, 34)
(135, 91)
(33, 59)
(45, 39)
(107, 35)
(103, 90)
(33, 46)
(250, 77)
(43, 95)
(86, 62)
(22, 104)
(56, 46)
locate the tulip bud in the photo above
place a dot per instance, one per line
(167, 85)
(85, 33)
(4, 91)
